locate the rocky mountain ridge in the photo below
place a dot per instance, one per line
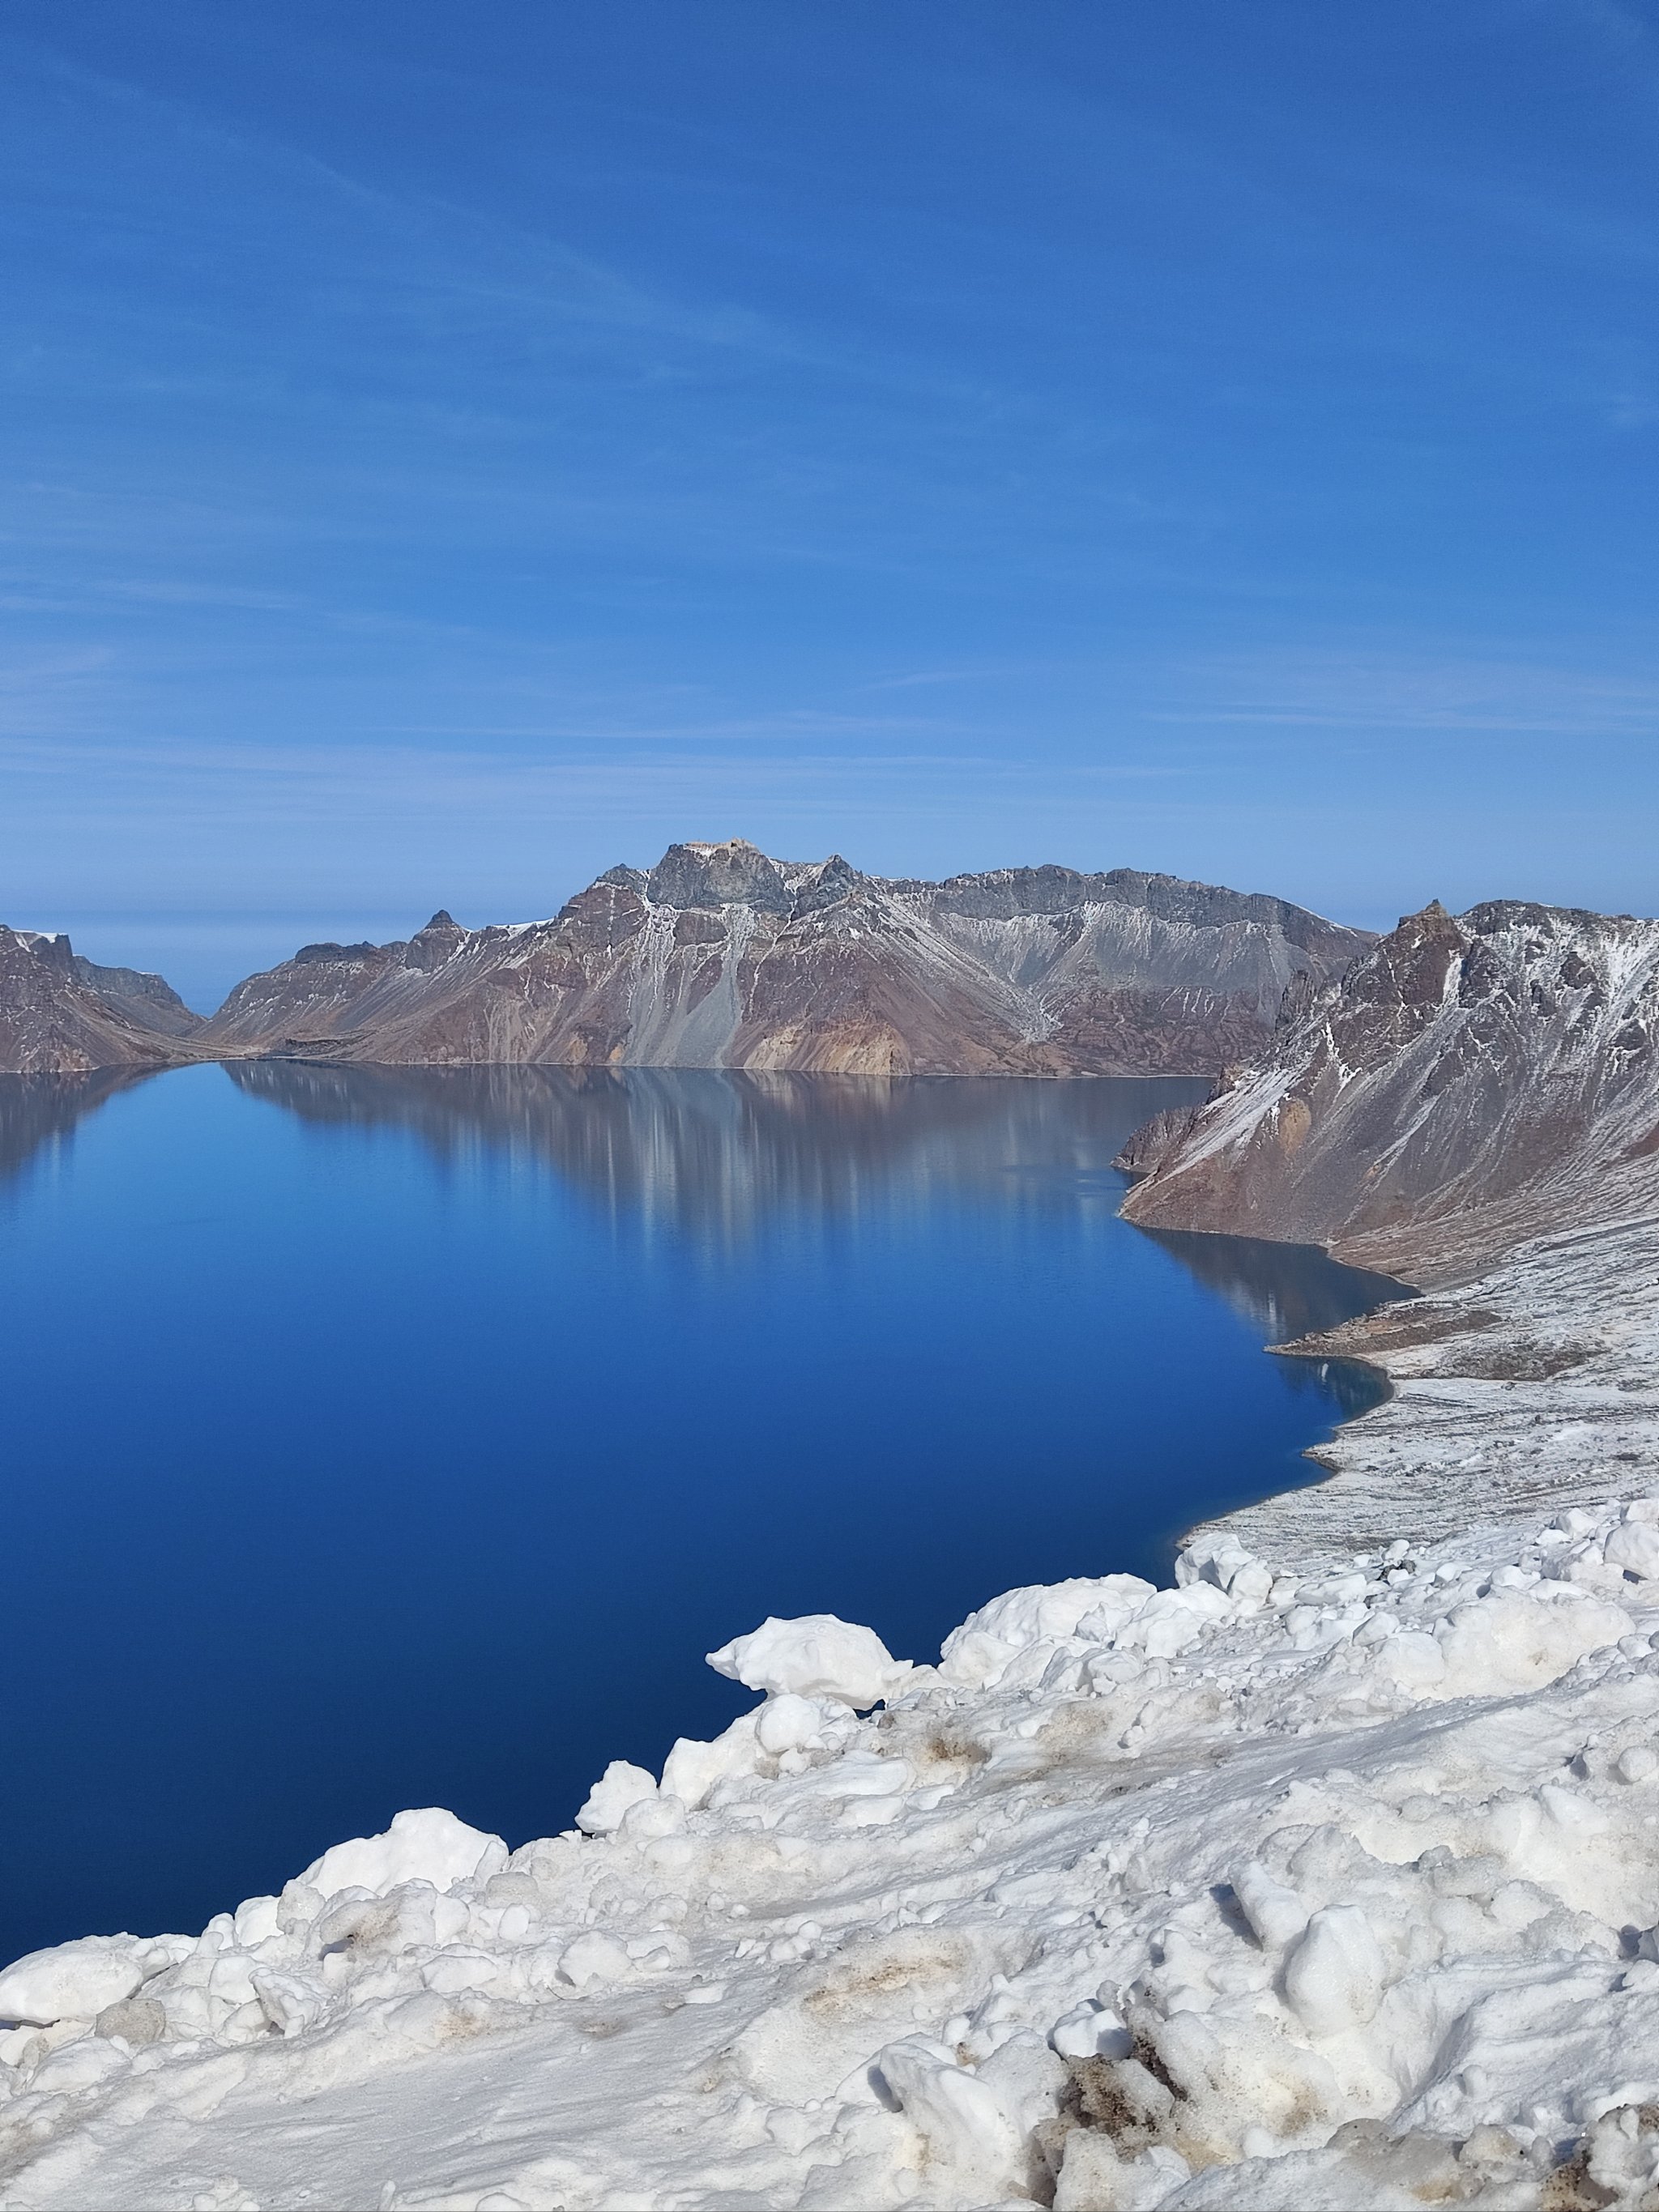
(1471, 1081)
(721, 956)
(63, 1015)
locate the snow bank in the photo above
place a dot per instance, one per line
(1268, 1890)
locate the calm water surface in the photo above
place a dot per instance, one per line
(380, 1438)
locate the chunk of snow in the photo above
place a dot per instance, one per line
(962, 2121)
(620, 1786)
(425, 1845)
(1510, 1641)
(594, 1957)
(290, 2003)
(647, 1820)
(1634, 1546)
(1217, 1556)
(1413, 1660)
(974, 1659)
(1094, 1605)
(1172, 1621)
(72, 1981)
(692, 1769)
(1276, 1913)
(1094, 2179)
(786, 1723)
(816, 1656)
(1335, 1979)
(1089, 2030)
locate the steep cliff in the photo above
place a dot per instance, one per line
(1474, 1080)
(721, 957)
(62, 1015)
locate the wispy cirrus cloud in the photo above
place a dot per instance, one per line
(1375, 691)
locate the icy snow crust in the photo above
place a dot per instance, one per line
(1318, 1880)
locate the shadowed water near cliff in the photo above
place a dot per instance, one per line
(378, 1437)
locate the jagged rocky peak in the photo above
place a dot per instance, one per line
(61, 1014)
(1473, 1079)
(826, 884)
(737, 873)
(438, 941)
(733, 873)
(433, 942)
(1410, 966)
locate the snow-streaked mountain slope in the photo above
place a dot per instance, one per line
(1312, 1882)
(721, 957)
(62, 1015)
(1471, 1081)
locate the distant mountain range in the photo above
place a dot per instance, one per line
(720, 956)
(1418, 1103)
(1473, 1080)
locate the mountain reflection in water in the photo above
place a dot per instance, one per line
(38, 1113)
(1291, 1291)
(717, 1151)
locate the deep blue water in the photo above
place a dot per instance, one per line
(380, 1438)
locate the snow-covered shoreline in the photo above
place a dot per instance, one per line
(1533, 1386)
(1319, 1880)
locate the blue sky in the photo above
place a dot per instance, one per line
(446, 450)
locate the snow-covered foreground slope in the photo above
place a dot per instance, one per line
(1313, 1883)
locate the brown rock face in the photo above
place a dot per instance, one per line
(61, 1015)
(720, 957)
(1473, 1080)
